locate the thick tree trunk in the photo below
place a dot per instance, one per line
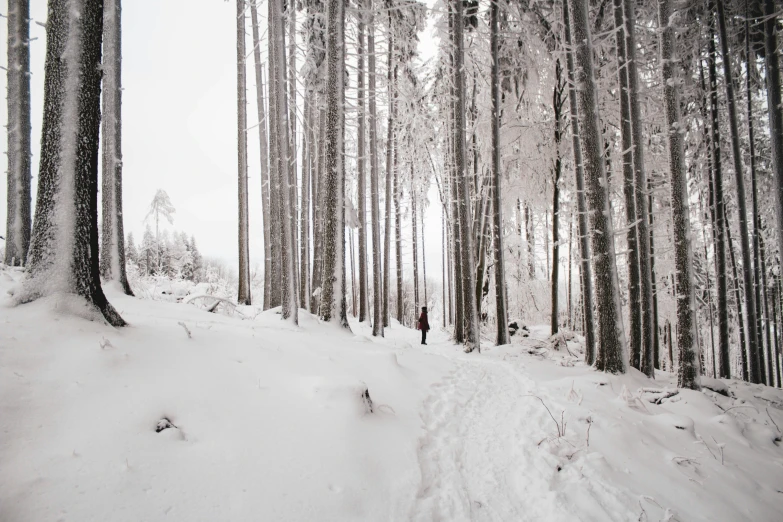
(263, 148)
(290, 305)
(688, 368)
(585, 271)
(64, 251)
(375, 210)
(611, 356)
(332, 294)
(629, 189)
(113, 235)
(472, 336)
(243, 293)
(290, 11)
(17, 240)
(739, 178)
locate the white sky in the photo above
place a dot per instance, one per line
(179, 121)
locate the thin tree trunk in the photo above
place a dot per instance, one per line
(304, 217)
(750, 305)
(360, 171)
(770, 363)
(423, 260)
(377, 281)
(389, 175)
(113, 235)
(643, 234)
(292, 151)
(629, 189)
(737, 295)
(243, 293)
(611, 356)
(688, 367)
(720, 233)
(415, 249)
(398, 227)
(557, 105)
(772, 63)
(530, 232)
(17, 240)
(263, 142)
(585, 269)
(656, 337)
(501, 301)
(64, 251)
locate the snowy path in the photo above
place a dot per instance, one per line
(479, 457)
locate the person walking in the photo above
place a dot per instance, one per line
(424, 325)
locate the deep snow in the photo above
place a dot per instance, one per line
(270, 422)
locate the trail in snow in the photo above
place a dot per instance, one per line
(479, 457)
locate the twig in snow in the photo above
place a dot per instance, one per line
(589, 425)
(770, 418)
(720, 446)
(560, 429)
(105, 343)
(701, 441)
(187, 331)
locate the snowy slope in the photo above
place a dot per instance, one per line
(271, 424)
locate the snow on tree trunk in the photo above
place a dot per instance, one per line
(415, 247)
(64, 252)
(389, 174)
(290, 103)
(19, 130)
(275, 194)
(304, 217)
(629, 190)
(243, 292)
(361, 167)
(612, 355)
(397, 221)
(688, 367)
(718, 203)
(775, 110)
(557, 106)
(501, 313)
(333, 286)
(263, 148)
(750, 305)
(375, 206)
(290, 306)
(640, 177)
(472, 334)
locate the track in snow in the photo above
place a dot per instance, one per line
(479, 457)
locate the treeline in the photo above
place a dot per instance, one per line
(172, 255)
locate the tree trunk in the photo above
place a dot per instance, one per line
(643, 234)
(530, 232)
(688, 367)
(557, 105)
(472, 337)
(611, 356)
(64, 252)
(737, 296)
(501, 310)
(291, 106)
(629, 189)
(113, 235)
(772, 63)
(377, 281)
(332, 296)
(389, 174)
(263, 142)
(290, 305)
(718, 204)
(19, 131)
(398, 227)
(243, 293)
(585, 271)
(655, 326)
(360, 171)
(750, 305)
(415, 248)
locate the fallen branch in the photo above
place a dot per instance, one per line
(187, 331)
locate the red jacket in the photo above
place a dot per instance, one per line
(424, 324)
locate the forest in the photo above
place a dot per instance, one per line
(606, 174)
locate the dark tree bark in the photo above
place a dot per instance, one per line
(113, 234)
(750, 305)
(558, 101)
(377, 281)
(243, 293)
(360, 171)
(64, 251)
(586, 276)
(611, 356)
(17, 239)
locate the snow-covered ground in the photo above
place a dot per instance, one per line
(275, 422)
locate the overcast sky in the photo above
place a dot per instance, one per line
(179, 120)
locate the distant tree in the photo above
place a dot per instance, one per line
(160, 206)
(131, 252)
(64, 252)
